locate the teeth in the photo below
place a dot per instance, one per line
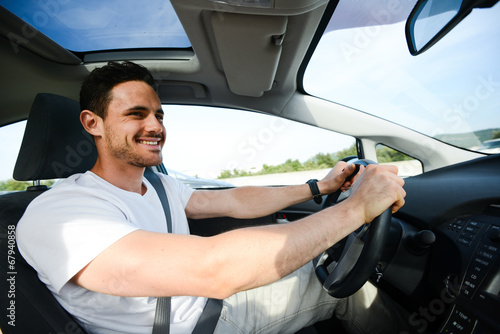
(148, 142)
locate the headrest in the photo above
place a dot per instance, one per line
(55, 144)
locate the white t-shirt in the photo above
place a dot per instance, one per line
(65, 228)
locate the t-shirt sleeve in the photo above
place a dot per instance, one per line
(177, 188)
(59, 239)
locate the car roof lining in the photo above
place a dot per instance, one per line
(188, 75)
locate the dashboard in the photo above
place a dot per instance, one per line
(454, 286)
(466, 262)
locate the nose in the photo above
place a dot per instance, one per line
(153, 124)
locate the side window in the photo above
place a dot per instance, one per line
(214, 147)
(11, 137)
(227, 147)
(407, 165)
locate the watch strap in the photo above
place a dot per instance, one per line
(313, 185)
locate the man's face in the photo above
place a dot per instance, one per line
(133, 127)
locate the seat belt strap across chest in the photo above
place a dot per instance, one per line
(210, 316)
(161, 323)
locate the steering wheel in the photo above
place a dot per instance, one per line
(346, 266)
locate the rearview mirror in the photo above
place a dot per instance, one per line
(431, 20)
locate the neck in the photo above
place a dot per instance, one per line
(125, 177)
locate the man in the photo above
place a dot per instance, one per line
(103, 249)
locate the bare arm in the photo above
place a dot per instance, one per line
(154, 264)
(252, 202)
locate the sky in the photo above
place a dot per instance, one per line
(239, 139)
(453, 87)
(100, 25)
(426, 92)
(12, 135)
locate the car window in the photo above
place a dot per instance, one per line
(245, 148)
(11, 137)
(215, 147)
(450, 92)
(407, 166)
(84, 26)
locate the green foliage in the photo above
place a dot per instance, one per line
(387, 154)
(13, 185)
(346, 152)
(319, 161)
(496, 134)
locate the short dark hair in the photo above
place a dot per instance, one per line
(95, 93)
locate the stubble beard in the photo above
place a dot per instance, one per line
(125, 152)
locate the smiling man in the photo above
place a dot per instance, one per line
(130, 133)
(104, 251)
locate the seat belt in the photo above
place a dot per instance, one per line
(210, 316)
(161, 323)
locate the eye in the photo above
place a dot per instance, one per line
(159, 117)
(135, 114)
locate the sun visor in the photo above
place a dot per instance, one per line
(249, 48)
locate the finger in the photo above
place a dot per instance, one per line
(397, 205)
(345, 177)
(335, 171)
(352, 170)
(400, 200)
(390, 168)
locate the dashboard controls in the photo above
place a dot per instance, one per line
(472, 281)
(459, 322)
(466, 230)
(494, 234)
(482, 261)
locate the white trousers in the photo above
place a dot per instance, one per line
(298, 300)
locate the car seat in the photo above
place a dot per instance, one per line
(54, 145)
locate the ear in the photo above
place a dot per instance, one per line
(91, 122)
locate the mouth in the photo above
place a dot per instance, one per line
(153, 142)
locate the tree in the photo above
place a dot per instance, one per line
(347, 152)
(13, 185)
(319, 161)
(387, 154)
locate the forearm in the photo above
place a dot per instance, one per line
(246, 202)
(265, 254)
(252, 202)
(158, 264)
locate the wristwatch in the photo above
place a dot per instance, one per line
(313, 184)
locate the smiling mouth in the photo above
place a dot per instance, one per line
(150, 143)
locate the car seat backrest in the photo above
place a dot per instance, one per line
(54, 145)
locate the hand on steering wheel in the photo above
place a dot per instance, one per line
(345, 267)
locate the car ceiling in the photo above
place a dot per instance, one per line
(232, 65)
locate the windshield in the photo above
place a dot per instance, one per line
(450, 92)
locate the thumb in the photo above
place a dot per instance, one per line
(350, 171)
